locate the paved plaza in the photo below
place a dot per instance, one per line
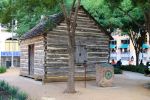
(128, 86)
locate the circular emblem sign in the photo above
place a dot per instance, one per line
(108, 74)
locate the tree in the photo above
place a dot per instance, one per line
(143, 25)
(137, 40)
(121, 14)
(26, 12)
(70, 19)
(143, 4)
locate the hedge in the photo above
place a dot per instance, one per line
(117, 71)
(133, 68)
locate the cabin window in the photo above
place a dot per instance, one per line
(80, 53)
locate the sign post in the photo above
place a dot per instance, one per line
(85, 66)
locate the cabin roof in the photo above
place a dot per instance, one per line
(42, 27)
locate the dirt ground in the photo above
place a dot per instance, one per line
(128, 86)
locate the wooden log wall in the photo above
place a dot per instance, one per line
(96, 41)
(38, 57)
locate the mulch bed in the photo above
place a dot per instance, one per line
(4, 95)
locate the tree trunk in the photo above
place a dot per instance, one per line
(71, 28)
(137, 57)
(147, 21)
(71, 70)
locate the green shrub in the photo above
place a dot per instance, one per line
(117, 71)
(22, 96)
(133, 68)
(2, 83)
(2, 69)
(14, 92)
(6, 87)
(1, 98)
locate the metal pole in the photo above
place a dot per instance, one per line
(85, 78)
(85, 66)
(12, 57)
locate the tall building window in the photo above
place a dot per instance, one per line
(124, 47)
(11, 45)
(113, 42)
(125, 41)
(113, 46)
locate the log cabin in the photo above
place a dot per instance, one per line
(44, 52)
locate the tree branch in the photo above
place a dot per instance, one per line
(75, 16)
(132, 38)
(64, 11)
(72, 7)
(139, 25)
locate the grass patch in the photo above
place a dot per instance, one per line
(10, 92)
(2, 69)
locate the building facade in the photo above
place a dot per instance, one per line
(9, 48)
(122, 48)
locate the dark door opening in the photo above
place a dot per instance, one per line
(31, 59)
(8, 64)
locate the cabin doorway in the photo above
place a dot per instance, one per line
(31, 59)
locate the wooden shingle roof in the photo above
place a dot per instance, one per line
(43, 26)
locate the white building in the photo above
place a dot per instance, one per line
(3, 36)
(8, 46)
(122, 48)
